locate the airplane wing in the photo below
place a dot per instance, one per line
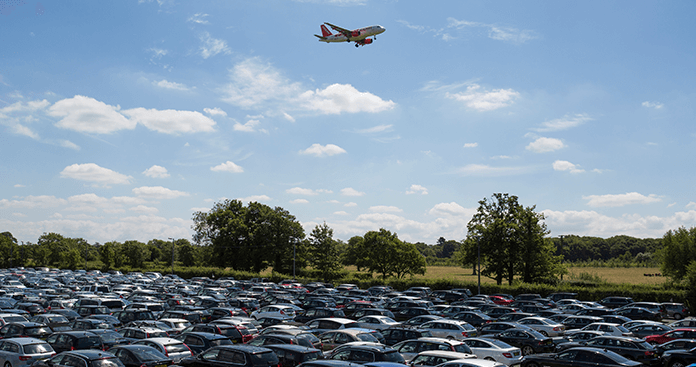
(345, 32)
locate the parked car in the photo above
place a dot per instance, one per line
(22, 352)
(608, 329)
(635, 349)
(580, 357)
(365, 353)
(528, 340)
(682, 333)
(25, 329)
(543, 325)
(239, 355)
(170, 347)
(86, 357)
(685, 344)
(641, 331)
(74, 340)
(333, 339)
(199, 341)
(293, 355)
(140, 356)
(397, 334)
(376, 322)
(452, 329)
(410, 348)
(437, 357)
(676, 311)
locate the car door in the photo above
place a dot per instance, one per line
(127, 358)
(408, 349)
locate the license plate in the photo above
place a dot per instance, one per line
(515, 354)
(515, 365)
(161, 365)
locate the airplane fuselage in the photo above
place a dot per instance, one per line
(355, 35)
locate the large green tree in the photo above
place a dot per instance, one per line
(9, 251)
(511, 240)
(382, 252)
(250, 238)
(323, 253)
(679, 251)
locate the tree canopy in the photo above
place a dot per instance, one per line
(383, 253)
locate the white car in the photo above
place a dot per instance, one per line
(176, 350)
(410, 348)
(436, 357)
(608, 329)
(493, 349)
(471, 363)
(450, 329)
(275, 311)
(376, 322)
(543, 325)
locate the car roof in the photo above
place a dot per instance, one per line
(444, 353)
(440, 340)
(25, 341)
(292, 347)
(205, 335)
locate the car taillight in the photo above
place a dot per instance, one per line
(465, 334)
(24, 358)
(556, 328)
(507, 355)
(649, 353)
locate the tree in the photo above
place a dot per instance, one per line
(323, 252)
(9, 250)
(188, 253)
(135, 253)
(511, 240)
(679, 250)
(382, 252)
(249, 238)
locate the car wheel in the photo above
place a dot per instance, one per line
(543, 332)
(532, 364)
(677, 316)
(676, 364)
(489, 359)
(7, 364)
(527, 350)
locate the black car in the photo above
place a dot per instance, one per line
(269, 339)
(237, 334)
(126, 316)
(579, 357)
(199, 341)
(238, 355)
(492, 328)
(86, 358)
(475, 318)
(685, 344)
(579, 322)
(318, 312)
(409, 312)
(680, 358)
(372, 312)
(90, 323)
(220, 312)
(397, 334)
(140, 356)
(615, 302)
(86, 311)
(632, 348)
(25, 329)
(109, 337)
(365, 354)
(420, 320)
(639, 313)
(528, 340)
(514, 316)
(74, 340)
(311, 340)
(577, 337)
(291, 355)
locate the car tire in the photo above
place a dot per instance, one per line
(543, 332)
(677, 316)
(527, 350)
(489, 359)
(8, 364)
(532, 364)
(676, 363)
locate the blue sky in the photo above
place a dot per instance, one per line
(120, 119)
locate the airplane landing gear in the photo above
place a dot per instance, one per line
(356, 45)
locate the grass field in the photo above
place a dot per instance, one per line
(611, 275)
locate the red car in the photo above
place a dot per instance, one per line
(498, 300)
(682, 333)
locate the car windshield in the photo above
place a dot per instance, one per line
(367, 338)
(107, 362)
(176, 348)
(264, 359)
(37, 348)
(89, 342)
(462, 348)
(111, 337)
(622, 329)
(32, 331)
(149, 354)
(223, 341)
(616, 357)
(393, 356)
(536, 334)
(9, 319)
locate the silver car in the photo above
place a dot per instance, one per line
(20, 352)
(543, 325)
(450, 329)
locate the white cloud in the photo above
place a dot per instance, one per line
(144, 209)
(351, 204)
(486, 170)
(385, 209)
(19, 185)
(301, 191)
(32, 202)
(340, 212)
(376, 129)
(349, 191)
(288, 117)
(211, 46)
(567, 166)
(171, 121)
(483, 100)
(449, 209)
(215, 112)
(158, 192)
(255, 84)
(691, 205)
(94, 173)
(170, 85)
(338, 98)
(495, 32)
(655, 105)
(620, 199)
(470, 145)
(198, 18)
(228, 166)
(68, 144)
(85, 114)
(564, 123)
(157, 53)
(417, 189)
(544, 145)
(156, 172)
(318, 150)
(299, 201)
(249, 126)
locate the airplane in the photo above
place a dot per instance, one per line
(359, 36)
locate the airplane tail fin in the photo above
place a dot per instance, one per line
(325, 31)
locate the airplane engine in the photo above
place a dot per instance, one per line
(368, 41)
